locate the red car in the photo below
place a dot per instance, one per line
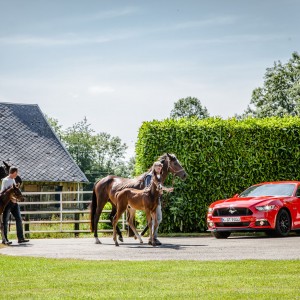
(272, 207)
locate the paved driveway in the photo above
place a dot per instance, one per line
(196, 248)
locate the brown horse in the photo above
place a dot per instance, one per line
(6, 196)
(105, 190)
(146, 199)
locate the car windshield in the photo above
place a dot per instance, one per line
(279, 189)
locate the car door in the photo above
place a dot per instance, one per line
(297, 209)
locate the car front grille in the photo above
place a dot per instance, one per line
(232, 212)
(234, 224)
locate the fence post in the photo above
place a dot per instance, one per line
(61, 210)
(76, 224)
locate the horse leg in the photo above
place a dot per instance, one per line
(131, 215)
(154, 226)
(1, 227)
(149, 223)
(111, 217)
(96, 220)
(120, 209)
(131, 224)
(144, 230)
(115, 224)
(131, 211)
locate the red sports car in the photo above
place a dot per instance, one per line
(272, 207)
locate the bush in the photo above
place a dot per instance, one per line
(221, 157)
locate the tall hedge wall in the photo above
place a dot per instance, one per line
(221, 157)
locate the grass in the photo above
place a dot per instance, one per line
(39, 278)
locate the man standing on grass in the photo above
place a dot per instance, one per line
(12, 207)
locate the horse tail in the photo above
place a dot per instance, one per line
(93, 210)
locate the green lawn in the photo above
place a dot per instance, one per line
(39, 278)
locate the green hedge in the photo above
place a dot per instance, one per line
(221, 157)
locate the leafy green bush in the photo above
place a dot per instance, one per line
(221, 157)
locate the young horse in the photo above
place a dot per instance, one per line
(146, 199)
(105, 190)
(7, 196)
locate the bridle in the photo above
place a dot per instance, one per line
(173, 172)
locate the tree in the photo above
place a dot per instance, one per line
(280, 94)
(187, 108)
(97, 154)
(55, 125)
(80, 143)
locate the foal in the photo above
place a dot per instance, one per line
(10, 194)
(146, 199)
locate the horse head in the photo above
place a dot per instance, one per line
(6, 166)
(17, 192)
(156, 180)
(175, 167)
(2, 172)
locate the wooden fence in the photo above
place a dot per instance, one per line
(59, 208)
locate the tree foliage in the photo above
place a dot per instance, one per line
(187, 108)
(280, 94)
(97, 154)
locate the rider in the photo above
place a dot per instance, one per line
(12, 207)
(157, 166)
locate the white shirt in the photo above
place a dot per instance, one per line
(7, 182)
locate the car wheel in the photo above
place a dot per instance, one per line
(283, 223)
(221, 234)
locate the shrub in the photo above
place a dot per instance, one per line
(221, 157)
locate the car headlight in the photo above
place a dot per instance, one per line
(210, 209)
(265, 207)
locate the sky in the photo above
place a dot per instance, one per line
(120, 63)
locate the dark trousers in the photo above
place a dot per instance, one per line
(14, 209)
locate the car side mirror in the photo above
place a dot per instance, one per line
(235, 196)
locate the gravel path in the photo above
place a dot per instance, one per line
(183, 248)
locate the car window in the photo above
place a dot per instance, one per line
(284, 189)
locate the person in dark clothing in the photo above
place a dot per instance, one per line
(13, 208)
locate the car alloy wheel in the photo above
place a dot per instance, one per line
(283, 223)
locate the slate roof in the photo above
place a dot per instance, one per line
(28, 142)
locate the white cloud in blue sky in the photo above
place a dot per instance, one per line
(120, 63)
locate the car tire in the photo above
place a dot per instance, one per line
(283, 223)
(221, 234)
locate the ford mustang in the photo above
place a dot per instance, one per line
(272, 207)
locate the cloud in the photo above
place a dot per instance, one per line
(97, 90)
(67, 40)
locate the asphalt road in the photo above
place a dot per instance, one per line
(195, 248)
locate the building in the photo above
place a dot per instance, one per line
(28, 142)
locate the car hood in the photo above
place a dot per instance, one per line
(246, 202)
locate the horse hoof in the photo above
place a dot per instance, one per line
(121, 239)
(97, 241)
(135, 237)
(141, 242)
(117, 244)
